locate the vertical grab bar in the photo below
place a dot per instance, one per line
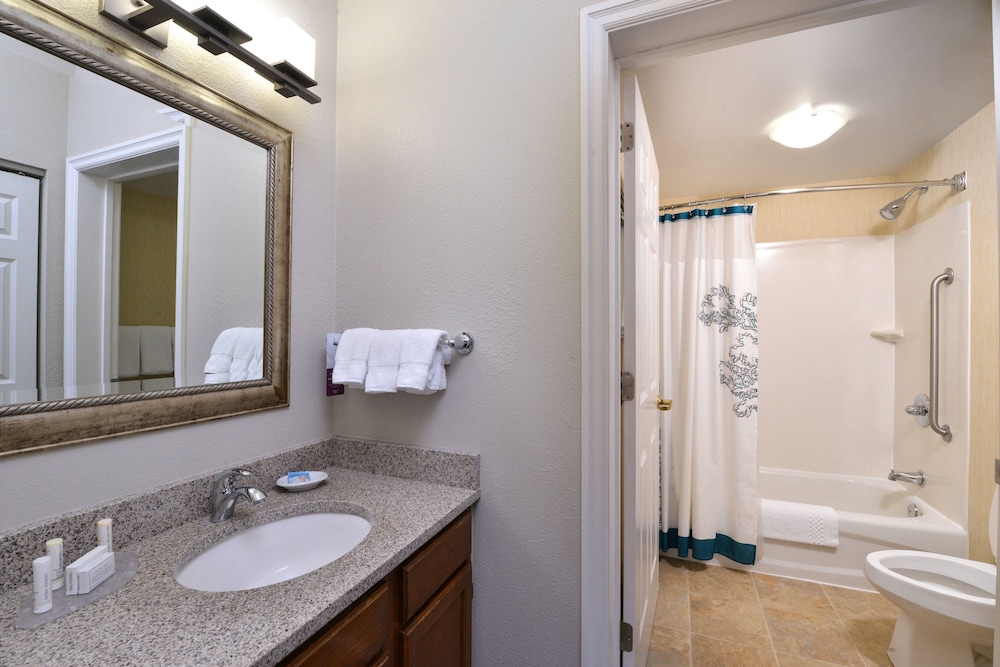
(947, 277)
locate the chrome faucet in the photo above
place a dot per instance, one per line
(224, 494)
(917, 478)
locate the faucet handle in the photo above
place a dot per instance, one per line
(223, 482)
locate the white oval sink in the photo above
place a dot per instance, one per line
(273, 552)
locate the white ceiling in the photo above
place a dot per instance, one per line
(904, 78)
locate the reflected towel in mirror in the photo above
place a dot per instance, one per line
(237, 355)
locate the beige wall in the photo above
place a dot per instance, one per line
(458, 206)
(148, 259)
(970, 148)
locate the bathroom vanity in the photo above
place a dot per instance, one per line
(402, 596)
(420, 614)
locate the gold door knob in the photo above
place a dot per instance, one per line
(663, 403)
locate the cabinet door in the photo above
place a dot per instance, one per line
(429, 569)
(360, 639)
(441, 634)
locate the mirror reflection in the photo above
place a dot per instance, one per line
(132, 239)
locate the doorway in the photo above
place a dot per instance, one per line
(654, 28)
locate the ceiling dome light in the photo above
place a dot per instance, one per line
(806, 127)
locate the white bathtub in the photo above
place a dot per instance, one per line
(871, 515)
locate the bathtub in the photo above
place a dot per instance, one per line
(872, 514)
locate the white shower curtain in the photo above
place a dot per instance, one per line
(709, 476)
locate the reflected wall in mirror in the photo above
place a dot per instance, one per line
(143, 242)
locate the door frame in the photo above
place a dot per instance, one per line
(600, 595)
(143, 156)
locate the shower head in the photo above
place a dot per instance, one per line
(891, 210)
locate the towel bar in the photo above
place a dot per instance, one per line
(462, 343)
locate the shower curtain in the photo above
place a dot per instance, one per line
(709, 499)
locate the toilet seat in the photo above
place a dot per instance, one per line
(955, 588)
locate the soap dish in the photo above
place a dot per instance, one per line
(315, 478)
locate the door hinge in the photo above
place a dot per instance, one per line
(628, 386)
(626, 637)
(996, 470)
(628, 137)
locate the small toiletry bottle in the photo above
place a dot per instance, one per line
(104, 534)
(41, 584)
(54, 550)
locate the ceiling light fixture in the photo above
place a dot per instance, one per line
(217, 35)
(806, 127)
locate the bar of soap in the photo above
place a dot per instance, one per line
(298, 477)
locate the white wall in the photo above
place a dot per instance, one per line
(225, 242)
(826, 386)
(923, 252)
(33, 132)
(458, 207)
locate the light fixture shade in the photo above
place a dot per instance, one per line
(285, 41)
(806, 127)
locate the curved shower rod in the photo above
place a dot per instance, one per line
(957, 183)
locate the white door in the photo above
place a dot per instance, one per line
(19, 197)
(641, 321)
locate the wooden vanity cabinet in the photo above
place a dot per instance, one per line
(420, 615)
(361, 635)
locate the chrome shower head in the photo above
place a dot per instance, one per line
(891, 210)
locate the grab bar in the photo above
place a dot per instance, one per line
(947, 277)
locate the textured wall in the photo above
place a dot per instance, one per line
(458, 207)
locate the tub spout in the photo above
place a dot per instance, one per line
(917, 478)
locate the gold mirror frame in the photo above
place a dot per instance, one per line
(32, 426)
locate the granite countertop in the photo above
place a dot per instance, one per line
(153, 620)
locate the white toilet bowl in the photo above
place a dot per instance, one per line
(946, 607)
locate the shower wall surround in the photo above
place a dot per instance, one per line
(923, 252)
(831, 395)
(826, 386)
(970, 148)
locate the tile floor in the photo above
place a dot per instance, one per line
(709, 616)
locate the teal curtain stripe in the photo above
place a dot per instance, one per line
(706, 213)
(723, 545)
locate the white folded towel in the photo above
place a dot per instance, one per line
(238, 354)
(156, 350)
(416, 357)
(350, 364)
(799, 522)
(437, 380)
(248, 355)
(221, 357)
(383, 361)
(128, 352)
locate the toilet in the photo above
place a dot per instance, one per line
(946, 605)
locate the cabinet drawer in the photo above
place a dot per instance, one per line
(361, 637)
(425, 573)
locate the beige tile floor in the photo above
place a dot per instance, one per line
(709, 616)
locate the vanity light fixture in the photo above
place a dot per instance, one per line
(215, 34)
(806, 127)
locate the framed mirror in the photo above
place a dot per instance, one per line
(144, 242)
